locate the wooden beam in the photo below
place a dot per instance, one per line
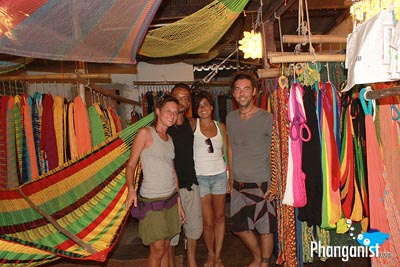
(377, 94)
(51, 77)
(268, 73)
(105, 92)
(331, 4)
(306, 58)
(315, 39)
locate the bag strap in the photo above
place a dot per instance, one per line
(223, 142)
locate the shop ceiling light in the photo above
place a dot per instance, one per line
(251, 45)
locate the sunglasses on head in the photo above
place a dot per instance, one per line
(210, 148)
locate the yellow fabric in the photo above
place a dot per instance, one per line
(58, 109)
(194, 34)
(71, 131)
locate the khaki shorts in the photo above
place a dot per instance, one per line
(191, 203)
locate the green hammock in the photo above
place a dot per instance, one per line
(76, 211)
(194, 34)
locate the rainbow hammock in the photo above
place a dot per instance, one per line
(76, 211)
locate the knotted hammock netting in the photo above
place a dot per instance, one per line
(108, 31)
(85, 197)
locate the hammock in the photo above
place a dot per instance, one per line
(84, 199)
(194, 34)
(91, 31)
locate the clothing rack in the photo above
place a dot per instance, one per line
(189, 83)
(105, 92)
(376, 94)
(47, 77)
(83, 78)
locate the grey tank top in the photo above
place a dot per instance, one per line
(251, 146)
(158, 168)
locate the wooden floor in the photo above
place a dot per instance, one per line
(130, 252)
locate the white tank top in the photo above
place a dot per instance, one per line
(208, 163)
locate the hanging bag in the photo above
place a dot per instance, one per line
(224, 148)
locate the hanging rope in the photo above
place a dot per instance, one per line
(304, 29)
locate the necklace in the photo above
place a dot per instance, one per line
(244, 113)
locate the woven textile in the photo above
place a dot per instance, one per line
(193, 34)
(279, 160)
(86, 197)
(90, 31)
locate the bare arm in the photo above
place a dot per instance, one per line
(141, 142)
(182, 215)
(229, 158)
(192, 122)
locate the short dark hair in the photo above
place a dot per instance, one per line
(197, 99)
(181, 85)
(160, 103)
(240, 75)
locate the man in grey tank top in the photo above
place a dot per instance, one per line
(249, 144)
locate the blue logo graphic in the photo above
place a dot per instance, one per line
(372, 238)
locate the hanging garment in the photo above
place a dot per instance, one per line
(311, 164)
(331, 209)
(3, 141)
(18, 125)
(116, 119)
(96, 125)
(32, 171)
(48, 143)
(58, 111)
(376, 183)
(111, 122)
(279, 158)
(73, 149)
(295, 193)
(350, 197)
(82, 127)
(12, 174)
(222, 107)
(37, 110)
(389, 134)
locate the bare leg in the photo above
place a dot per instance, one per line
(171, 256)
(218, 202)
(208, 228)
(191, 252)
(165, 259)
(249, 239)
(267, 246)
(158, 249)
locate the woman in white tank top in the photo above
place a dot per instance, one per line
(208, 146)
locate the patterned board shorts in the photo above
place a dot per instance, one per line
(249, 209)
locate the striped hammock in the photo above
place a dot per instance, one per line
(75, 211)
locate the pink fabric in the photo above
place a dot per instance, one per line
(296, 177)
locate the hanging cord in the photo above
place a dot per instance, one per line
(280, 30)
(215, 68)
(304, 29)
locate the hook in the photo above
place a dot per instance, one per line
(327, 70)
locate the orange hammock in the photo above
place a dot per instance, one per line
(75, 211)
